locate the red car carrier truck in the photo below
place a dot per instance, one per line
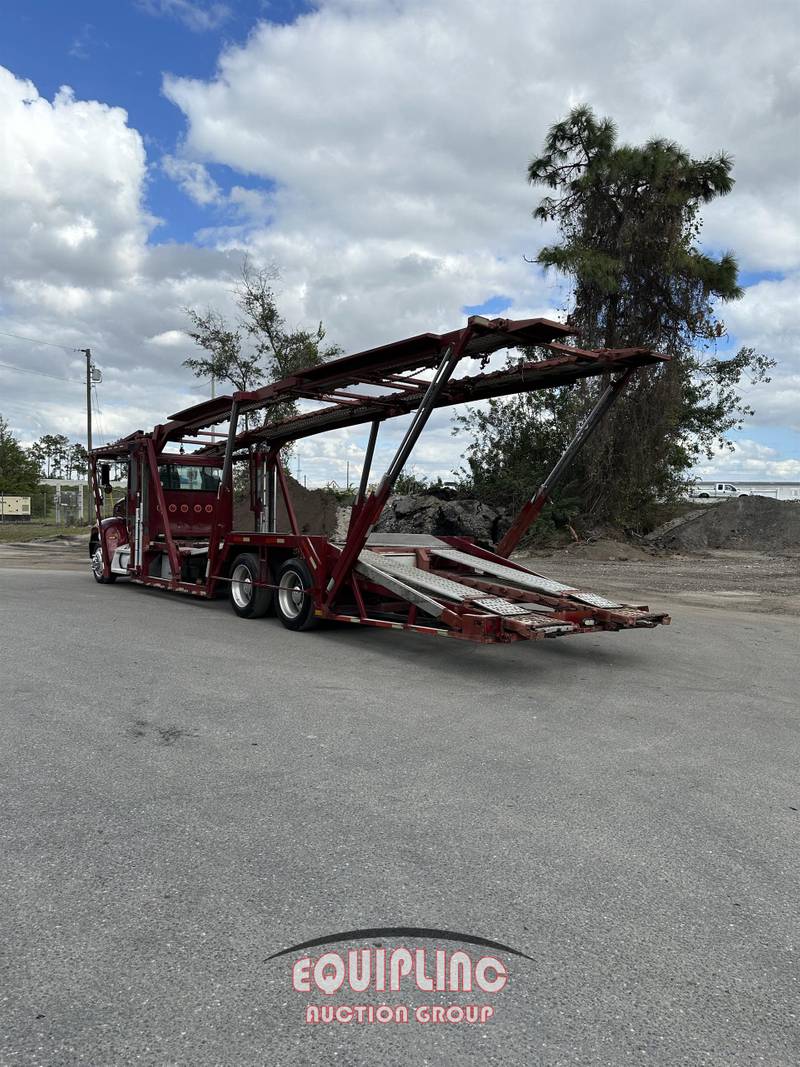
(174, 529)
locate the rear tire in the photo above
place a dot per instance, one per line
(294, 605)
(247, 598)
(96, 557)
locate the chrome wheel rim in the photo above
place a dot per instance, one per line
(241, 586)
(291, 594)
(97, 562)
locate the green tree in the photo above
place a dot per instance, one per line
(77, 461)
(52, 454)
(628, 219)
(19, 473)
(514, 443)
(260, 347)
(409, 483)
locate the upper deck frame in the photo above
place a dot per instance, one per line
(388, 377)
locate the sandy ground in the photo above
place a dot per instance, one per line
(63, 553)
(749, 581)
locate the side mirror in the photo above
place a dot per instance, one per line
(105, 476)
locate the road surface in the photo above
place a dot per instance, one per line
(185, 793)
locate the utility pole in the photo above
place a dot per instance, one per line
(88, 353)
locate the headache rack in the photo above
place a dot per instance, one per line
(446, 586)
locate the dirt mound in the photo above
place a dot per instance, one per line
(67, 540)
(316, 510)
(755, 523)
(606, 548)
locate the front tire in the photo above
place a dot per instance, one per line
(97, 567)
(248, 599)
(294, 604)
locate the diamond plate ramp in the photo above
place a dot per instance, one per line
(537, 583)
(432, 585)
(407, 572)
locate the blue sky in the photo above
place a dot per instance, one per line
(118, 52)
(375, 152)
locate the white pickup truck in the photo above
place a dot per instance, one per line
(716, 490)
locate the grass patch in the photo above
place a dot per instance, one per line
(29, 531)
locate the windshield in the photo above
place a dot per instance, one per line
(175, 476)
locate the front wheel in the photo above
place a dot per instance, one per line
(98, 569)
(294, 604)
(249, 599)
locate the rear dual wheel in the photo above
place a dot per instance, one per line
(291, 599)
(249, 599)
(294, 604)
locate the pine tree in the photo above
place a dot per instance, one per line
(629, 222)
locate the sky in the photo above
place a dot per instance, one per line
(375, 152)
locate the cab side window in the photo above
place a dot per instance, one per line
(176, 476)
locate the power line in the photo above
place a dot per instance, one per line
(41, 373)
(36, 341)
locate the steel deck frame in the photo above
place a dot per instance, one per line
(447, 586)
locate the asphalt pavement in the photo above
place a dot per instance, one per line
(184, 793)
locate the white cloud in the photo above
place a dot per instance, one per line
(197, 15)
(767, 319)
(194, 179)
(749, 461)
(71, 188)
(81, 43)
(762, 228)
(379, 152)
(398, 133)
(77, 269)
(170, 339)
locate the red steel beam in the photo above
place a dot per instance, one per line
(373, 505)
(285, 494)
(532, 509)
(562, 369)
(172, 552)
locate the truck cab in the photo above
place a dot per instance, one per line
(135, 535)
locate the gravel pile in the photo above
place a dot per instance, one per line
(420, 513)
(752, 523)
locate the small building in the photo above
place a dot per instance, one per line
(70, 502)
(15, 508)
